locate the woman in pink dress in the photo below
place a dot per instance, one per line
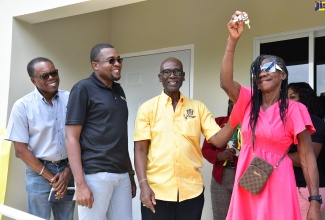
(270, 123)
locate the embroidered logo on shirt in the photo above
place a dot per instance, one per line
(189, 114)
(123, 98)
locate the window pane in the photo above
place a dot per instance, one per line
(298, 73)
(293, 51)
(295, 54)
(320, 64)
(320, 79)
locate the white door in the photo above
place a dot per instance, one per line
(140, 83)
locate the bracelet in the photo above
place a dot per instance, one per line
(230, 51)
(142, 180)
(42, 170)
(51, 183)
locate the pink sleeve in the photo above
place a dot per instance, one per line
(240, 107)
(298, 119)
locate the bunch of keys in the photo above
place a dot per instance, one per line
(242, 18)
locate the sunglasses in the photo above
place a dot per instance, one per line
(111, 60)
(176, 72)
(270, 67)
(45, 76)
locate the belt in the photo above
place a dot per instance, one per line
(54, 162)
(229, 164)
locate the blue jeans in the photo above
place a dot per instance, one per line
(38, 189)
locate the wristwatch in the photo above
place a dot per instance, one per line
(318, 198)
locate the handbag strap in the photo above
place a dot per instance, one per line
(278, 163)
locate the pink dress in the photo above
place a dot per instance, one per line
(278, 200)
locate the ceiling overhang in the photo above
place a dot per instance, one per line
(71, 8)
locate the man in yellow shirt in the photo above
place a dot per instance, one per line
(167, 149)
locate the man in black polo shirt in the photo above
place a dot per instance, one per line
(97, 140)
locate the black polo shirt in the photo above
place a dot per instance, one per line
(103, 113)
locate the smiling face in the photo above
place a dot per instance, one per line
(171, 83)
(48, 87)
(104, 70)
(270, 81)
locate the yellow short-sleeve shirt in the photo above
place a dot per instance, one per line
(174, 155)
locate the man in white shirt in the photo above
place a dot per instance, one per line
(37, 129)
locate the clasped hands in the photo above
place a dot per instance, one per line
(60, 182)
(227, 154)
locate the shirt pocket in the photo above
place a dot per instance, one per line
(190, 127)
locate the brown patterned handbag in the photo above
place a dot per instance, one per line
(257, 173)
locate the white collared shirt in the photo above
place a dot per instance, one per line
(40, 125)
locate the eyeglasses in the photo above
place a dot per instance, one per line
(45, 76)
(176, 72)
(270, 67)
(111, 60)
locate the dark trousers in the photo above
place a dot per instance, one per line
(190, 209)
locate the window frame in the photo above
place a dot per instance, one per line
(311, 33)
